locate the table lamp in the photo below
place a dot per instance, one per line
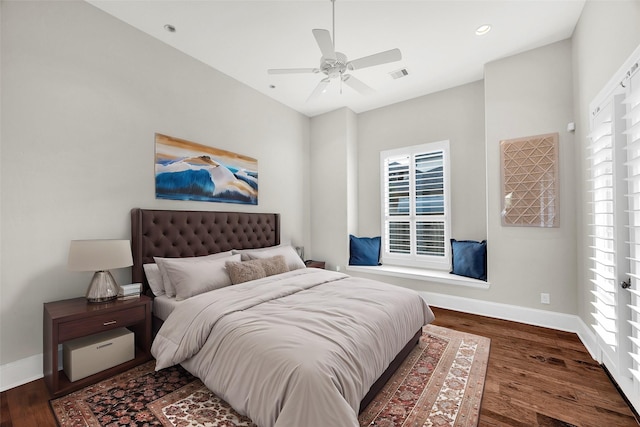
(100, 256)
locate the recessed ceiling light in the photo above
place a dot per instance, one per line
(483, 29)
(170, 28)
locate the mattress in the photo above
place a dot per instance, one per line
(163, 306)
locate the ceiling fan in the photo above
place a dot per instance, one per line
(335, 65)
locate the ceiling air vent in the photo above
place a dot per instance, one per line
(399, 73)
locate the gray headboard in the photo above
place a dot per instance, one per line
(178, 234)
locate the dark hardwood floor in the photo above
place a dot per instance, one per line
(540, 377)
(536, 377)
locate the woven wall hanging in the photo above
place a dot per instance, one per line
(530, 181)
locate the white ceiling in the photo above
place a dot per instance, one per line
(436, 37)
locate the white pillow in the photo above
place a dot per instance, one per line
(195, 277)
(291, 257)
(154, 277)
(169, 287)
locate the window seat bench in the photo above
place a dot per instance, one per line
(437, 276)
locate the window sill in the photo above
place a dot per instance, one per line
(438, 276)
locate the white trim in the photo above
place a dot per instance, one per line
(615, 82)
(439, 276)
(588, 338)
(21, 372)
(530, 316)
(630, 391)
(25, 370)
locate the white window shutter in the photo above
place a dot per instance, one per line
(632, 132)
(415, 206)
(603, 224)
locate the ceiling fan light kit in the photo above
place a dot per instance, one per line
(334, 65)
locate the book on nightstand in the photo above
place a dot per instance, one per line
(129, 291)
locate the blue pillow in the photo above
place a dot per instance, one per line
(364, 250)
(469, 258)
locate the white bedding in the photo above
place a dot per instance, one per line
(163, 306)
(300, 349)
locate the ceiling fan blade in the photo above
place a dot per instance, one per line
(292, 70)
(320, 88)
(356, 84)
(323, 38)
(375, 59)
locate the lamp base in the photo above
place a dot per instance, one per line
(103, 288)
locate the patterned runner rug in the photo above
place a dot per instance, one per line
(439, 384)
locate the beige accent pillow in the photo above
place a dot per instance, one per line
(169, 287)
(274, 265)
(290, 255)
(245, 271)
(196, 277)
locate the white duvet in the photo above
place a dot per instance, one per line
(300, 349)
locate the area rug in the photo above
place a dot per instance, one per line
(440, 383)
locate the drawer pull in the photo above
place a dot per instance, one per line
(104, 345)
(112, 322)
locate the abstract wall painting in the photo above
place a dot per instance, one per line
(187, 170)
(530, 181)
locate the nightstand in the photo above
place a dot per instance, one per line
(314, 264)
(75, 318)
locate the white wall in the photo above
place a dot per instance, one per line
(606, 34)
(531, 94)
(526, 94)
(333, 170)
(82, 96)
(457, 115)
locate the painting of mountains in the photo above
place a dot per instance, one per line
(186, 170)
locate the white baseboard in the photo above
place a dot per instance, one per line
(25, 370)
(531, 316)
(20, 372)
(588, 337)
(30, 368)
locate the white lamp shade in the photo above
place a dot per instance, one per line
(99, 255)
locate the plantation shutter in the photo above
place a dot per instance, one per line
(429, 203)
(397, 192)
(415, 206)
(632, 132)
(603, 225)
(614, 159)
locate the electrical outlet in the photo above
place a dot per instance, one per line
(544, 298)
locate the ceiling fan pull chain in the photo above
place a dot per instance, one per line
(333, 20)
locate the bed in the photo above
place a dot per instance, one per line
(298, 367)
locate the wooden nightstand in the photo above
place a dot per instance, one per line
(75, 318)
(314, 264)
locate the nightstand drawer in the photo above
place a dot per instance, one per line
(101, 322)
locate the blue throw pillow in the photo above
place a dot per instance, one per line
(469, 258)
(364, 250)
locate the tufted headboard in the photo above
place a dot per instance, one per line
(177, 234)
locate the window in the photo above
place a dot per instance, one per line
(415, 206)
